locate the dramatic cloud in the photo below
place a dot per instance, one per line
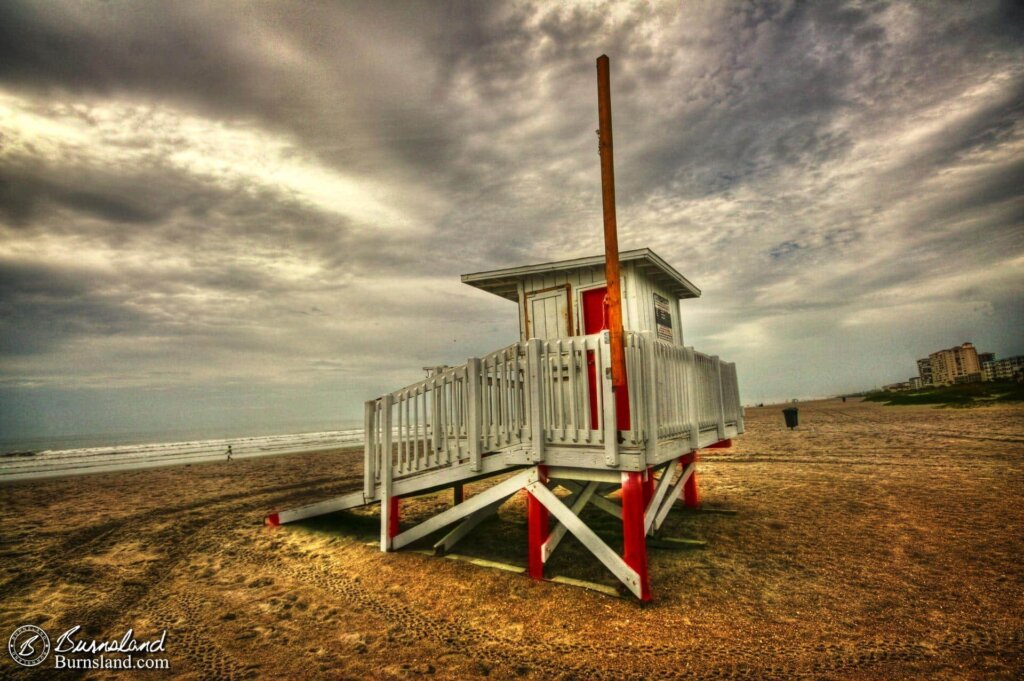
(260, 212)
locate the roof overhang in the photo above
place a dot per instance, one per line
(505, 282)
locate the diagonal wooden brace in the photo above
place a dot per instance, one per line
(458, 533)
(578, 502)
(606, 505)
(659, 494)
(673, 495)
(500, 491)
(587, 537)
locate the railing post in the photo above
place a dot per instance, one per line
(651, 394)
(436, 419)
(386, 507)
(534, 380)
(690, 372)
(740, 428)
(370, 450)
(473, 412)
(609, 414)
(717, 364)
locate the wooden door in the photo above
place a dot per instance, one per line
(547, 313)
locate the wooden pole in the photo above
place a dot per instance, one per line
(611, 236)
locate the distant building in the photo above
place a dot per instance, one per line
(1007, 369)
(986, 357)
(960, 362)
(924, 370)
(915, 383)
(896, 387)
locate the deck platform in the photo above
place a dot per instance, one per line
(546, 412)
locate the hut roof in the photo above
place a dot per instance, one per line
(503, 282)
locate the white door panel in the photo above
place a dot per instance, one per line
(548, 314)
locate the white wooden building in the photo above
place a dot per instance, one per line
(554, 298)
(544, 406)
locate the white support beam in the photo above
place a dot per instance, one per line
(458, 533)
(594, 544)
(445, 518)
(606, 505)
(584, 475)
(438, 478)
(673, 494)
(578, 501)
(609, 415)
(655, 503)
(332, 505)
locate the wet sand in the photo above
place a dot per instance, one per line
(871, 543)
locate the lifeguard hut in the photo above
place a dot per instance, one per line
(544, 407)
(599, 395)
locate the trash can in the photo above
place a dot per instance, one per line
(791, 416)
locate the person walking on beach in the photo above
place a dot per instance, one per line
(229, 452)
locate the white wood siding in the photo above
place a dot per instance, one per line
(637, 298)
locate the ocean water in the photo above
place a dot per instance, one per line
(135, 454)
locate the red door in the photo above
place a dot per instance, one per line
(595, 320)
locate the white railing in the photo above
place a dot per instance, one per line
(499, 380)
(709, 397)
(458, 414)
(566, 386)
(672, 399)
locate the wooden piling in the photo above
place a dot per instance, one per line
(611, 236)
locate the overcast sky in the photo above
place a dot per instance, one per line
(218, 215)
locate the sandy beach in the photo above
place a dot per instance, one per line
(871, 543)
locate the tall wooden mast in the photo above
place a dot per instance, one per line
(611, 236)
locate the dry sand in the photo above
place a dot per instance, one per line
(872, 543)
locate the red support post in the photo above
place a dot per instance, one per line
(393, 517)
(691, 492)
(537, 528)
(634, 537)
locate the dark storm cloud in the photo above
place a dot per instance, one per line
(43, 306)
(21, 198)
(193, 192)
